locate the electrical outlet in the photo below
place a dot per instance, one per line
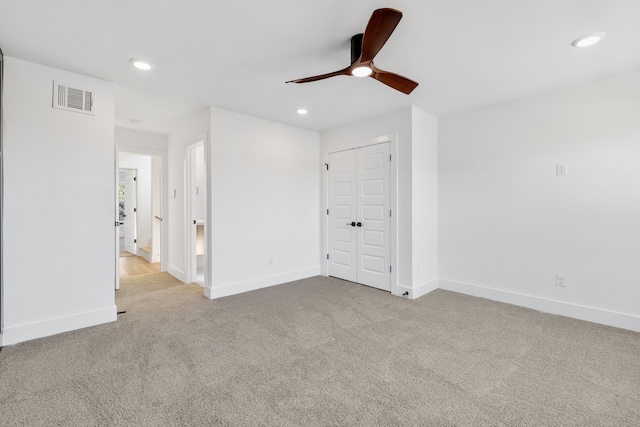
(561, 280)
(270, 262)
(561, 168)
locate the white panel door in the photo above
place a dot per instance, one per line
(374, 202)
(359, 216)
(130, 208)
(342, 213)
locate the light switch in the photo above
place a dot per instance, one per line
(561, 168)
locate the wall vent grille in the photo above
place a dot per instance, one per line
(73, 99)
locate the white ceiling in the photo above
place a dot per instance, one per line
(237, 55)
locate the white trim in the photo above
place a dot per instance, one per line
(263, 282)
(392, 139)
(189, 240)
(44, 328)
(418, 291)
(590, 314)
(177, 273)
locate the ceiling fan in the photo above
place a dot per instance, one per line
(364, 47)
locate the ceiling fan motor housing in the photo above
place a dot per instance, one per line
(356, 47)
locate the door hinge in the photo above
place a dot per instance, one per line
(389, 269)
(327, 211)
(389, 213)
(327, 256)
(389, 157)
(135, 209)
(135, 240)
(327, 165)
(135, 178)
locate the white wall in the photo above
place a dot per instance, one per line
(508, 224)
(264, 195)
(424, 186)
(413, 130)
(58, 175)
(189, 132)
(142, 164)
(136, 141)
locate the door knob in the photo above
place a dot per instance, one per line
(359, 224)
(353, 224)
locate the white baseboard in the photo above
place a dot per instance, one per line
(17, 334)
(177, 273)
(418, 291)
(590, 314)
(143, 254)
(263, 282)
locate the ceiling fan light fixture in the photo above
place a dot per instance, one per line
(140, 64)
(301, 111)
(361, 71)
(587, 40)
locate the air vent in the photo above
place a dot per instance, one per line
(72, 99)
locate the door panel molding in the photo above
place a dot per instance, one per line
(359, 229)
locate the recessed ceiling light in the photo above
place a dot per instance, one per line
(587, 40)
(140, 64)
(361, 71)
(302, 111)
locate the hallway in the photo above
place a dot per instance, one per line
(136, 265)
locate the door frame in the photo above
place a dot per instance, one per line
(1, 197)
(190, 232)
(393, 174)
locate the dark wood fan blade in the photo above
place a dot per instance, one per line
(345, 72)
(379, 29)
(394, 80)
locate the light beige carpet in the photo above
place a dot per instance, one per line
(322, 352)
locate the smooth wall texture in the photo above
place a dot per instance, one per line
(424, 187)
(59, 234)
(264, 198)
(133, 140)
(509, 224)
(189, 132)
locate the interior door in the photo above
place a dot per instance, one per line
(342, 215)
(374, 202)
(117, 216)
(1, 197)
(130, 210)
(156, 208)
(359, 216)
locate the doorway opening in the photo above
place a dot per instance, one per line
(196, 210)
(139, 191)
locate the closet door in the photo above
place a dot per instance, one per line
(374, 204)
(342, 215)
(359, 216)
